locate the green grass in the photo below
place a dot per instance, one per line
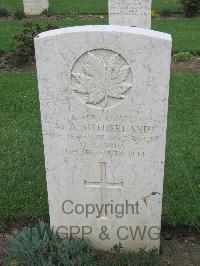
(185, 32)
(12, 5)
(89, 6)
(80, 6)
(182, 173)
(22, 175)
(167, 5)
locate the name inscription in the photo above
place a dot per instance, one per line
(107, 135)
(135, 7)
(87, 138)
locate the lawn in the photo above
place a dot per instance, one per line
(185, 31)
(167, 5)
(182, 171)
(22, 182)
(89, 6)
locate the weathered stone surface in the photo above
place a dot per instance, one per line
(35, 7)
(135, 13)
(104, 98)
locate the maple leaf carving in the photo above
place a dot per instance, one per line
(101, 78)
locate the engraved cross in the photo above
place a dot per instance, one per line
(103, 185)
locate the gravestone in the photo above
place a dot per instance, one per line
(135, 13)
(104, 98)
(35, 7)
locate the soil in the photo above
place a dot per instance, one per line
(187, 66)
(69, 15)
(179, 246)
(74, 14)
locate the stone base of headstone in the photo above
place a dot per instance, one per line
(35, 7)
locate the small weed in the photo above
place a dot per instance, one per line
(117, 248)
(4, 12)
(72, 14)
(19, 15)
(46, 13)
(40, 246)
(24, 42)
(182, 57)
(191, 7)
(154, 14)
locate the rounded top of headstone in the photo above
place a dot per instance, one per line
(104, 28)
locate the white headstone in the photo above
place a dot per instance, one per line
(135, 13)
(104, 98)
(35, 7)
